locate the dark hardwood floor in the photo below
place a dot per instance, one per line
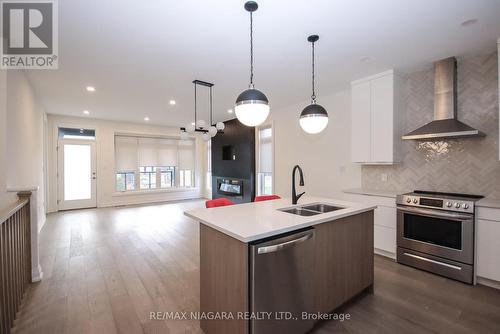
(105, 270)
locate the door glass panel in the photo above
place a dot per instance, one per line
(77, 172)
(81, 134)
(438, 231)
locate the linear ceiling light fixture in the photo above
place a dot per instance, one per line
(252, 106)
(314, 118)
(199, 125)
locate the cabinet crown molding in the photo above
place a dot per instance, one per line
(374, 76)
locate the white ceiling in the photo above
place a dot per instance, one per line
(141, 54)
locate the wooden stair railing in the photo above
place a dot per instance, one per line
(15, 259)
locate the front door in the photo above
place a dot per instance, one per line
(76, 174)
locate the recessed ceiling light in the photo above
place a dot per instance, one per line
(146, 119)
(172, 102)
(86, 112)
(192, 123)
(90, 89)
(230, 111)
(469, 22)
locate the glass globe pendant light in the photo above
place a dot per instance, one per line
(314, 118)
(252, 106)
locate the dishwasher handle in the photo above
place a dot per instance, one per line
(284, 245)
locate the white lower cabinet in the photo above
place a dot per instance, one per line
(384, 233)
(386, 217)
(384, 238)
(488, 248)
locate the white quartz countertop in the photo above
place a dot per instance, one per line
(374, 192)
(489, 203)
(486, 202)
(253, 221)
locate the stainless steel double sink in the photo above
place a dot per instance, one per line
(312, 209)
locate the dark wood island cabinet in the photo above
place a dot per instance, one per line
(342, 269)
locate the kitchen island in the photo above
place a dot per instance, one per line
(263, 264)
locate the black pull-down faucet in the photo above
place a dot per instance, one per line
(296, 197)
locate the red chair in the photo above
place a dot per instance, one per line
(266, 198)
(213, 203)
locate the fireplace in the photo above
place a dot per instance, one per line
(230, 187)
(233, 163)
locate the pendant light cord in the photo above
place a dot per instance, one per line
(313, 96)
(251, 50)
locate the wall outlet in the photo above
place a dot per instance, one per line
(384, 177)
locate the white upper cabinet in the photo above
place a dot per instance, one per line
(361, 132)
(374, 126)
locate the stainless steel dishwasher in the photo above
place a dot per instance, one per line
(281, 282)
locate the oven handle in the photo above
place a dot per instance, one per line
(432, 261)
(436, 213)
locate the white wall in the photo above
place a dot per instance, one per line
(24, 139)
(3, 136)
(105, 132)
(325, 158)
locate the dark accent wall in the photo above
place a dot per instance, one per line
(233, 156)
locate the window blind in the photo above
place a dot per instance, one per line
(157, 152)
(132, 152)
(186, 154)
(125, 153)
(265, 150)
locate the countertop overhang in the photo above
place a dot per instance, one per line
(257, 220)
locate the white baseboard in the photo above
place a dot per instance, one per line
(488, 282)
(42, 222)
(146, 202)
(36, 274)
(384, 253)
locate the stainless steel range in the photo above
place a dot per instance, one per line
(435, 232)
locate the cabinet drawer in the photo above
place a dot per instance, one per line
(384, 238)
(489, 214)
(385, 216)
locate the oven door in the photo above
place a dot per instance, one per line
(435, 232)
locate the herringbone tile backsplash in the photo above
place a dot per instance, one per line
(466, 165)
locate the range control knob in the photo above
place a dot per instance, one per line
(408, 200)
(448, 204)
(457, 205)
(415, 201)
(465, 206)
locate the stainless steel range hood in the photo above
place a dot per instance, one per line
(445, 123)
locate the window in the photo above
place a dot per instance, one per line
(153, 163)
(265, 183)
(125, 181)
(167, 177)
(265, 161)
(70, 133)
(147, 177)
(185, 178)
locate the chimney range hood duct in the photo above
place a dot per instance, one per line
(445, 123)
